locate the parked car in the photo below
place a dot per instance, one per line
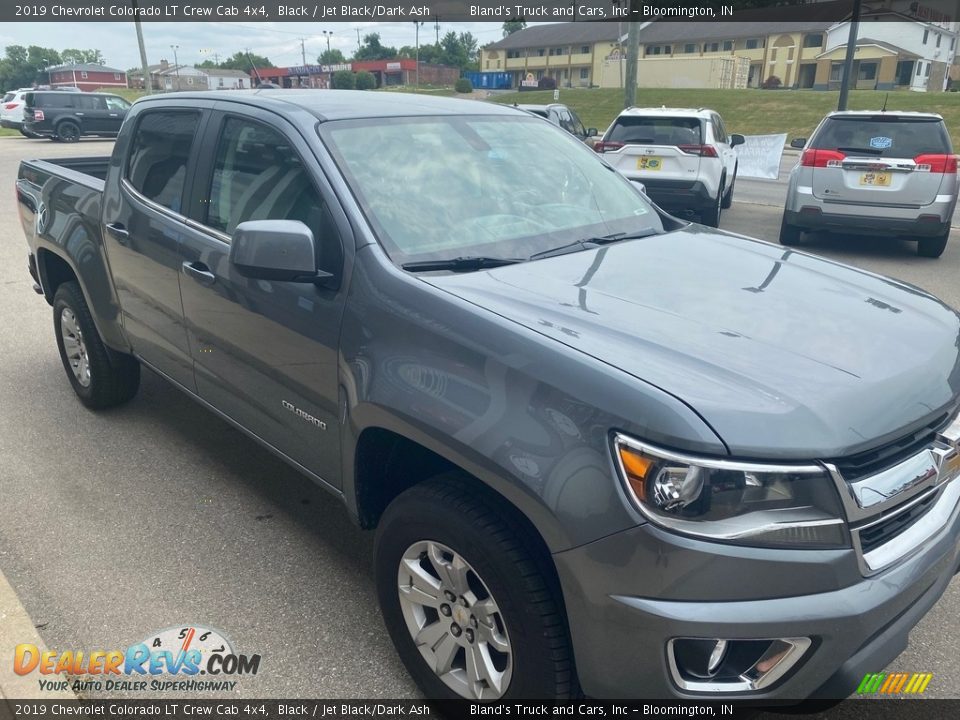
(11, 111)
(684, 157)
(874, 173)
(594, 463)
(67, 117)
(564, 117)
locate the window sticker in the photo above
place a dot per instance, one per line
(881, 143)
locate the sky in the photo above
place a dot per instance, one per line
(280, 42)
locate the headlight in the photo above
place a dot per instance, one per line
(744, 503)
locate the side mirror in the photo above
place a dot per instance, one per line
(591, 132)
(737, 139)
(282, 250)
(798, 143)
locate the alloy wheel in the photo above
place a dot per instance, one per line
(74, 347)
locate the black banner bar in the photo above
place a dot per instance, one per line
(778, 11)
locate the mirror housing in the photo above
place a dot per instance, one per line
(798, 143)
(591, 132)
(281, 250)
(737, 139)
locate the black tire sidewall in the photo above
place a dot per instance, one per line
(68, 123)
(932, 247)
(532, 676)
(66, 298)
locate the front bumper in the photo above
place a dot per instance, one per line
(628, 594)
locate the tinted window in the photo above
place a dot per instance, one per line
(656, 130)
(54, 100)
(719, 130)
(257, 175)
(158, 157)
(90, 102)
(883, 137)
(578, 128)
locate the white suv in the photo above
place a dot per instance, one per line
(684, 157)
(11, 110)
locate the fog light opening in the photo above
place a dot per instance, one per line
(724, 665)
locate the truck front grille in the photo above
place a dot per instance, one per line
(886, 530)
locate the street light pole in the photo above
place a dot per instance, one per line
(848, 60)
(417, 24)
(176, 64)
(328, 34)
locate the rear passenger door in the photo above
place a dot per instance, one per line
(149, 179)
(92, 111)
(265, 352)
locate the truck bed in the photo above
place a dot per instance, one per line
(89, 171)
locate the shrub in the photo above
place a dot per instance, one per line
(366, 80)
(772, 83)
(463, 86)
(343, 80)
(547, 83)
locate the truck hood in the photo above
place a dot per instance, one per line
(783, 354)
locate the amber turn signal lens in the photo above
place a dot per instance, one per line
(636, 467)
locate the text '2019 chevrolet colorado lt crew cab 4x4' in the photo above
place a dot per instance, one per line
(603, 450)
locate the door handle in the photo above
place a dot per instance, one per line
(118, 232)
(199, 272)
(113, 114)
(79, 114)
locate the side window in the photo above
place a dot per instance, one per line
(257, 175)
(116, 103)
(89, 102)
(719, 130)
(577, 126)
(158, 156)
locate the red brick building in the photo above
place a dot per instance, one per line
(387, 72)
(87, 76)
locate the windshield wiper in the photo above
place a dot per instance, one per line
(460, 264)
(592, 242)
(868, 151)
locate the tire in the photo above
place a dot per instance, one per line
(101, 378)
(728, 197)
(68, 131)
(711, 215)
(932, 247)
(448, 518)
(789, 234)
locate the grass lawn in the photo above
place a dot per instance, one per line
(751, 112)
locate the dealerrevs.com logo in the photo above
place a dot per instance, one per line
(898, 683)
(172, 659)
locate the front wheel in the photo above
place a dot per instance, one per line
(711, 216)
(473, 609)
(101, 378)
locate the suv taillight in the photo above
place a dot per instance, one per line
(936, 163)
(821, 158)
(607, 146)
(701, 150)
(10, 105)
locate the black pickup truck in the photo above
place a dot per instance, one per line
(604, 451)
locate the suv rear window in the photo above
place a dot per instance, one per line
(656, 130)
(883, 136)
(7, 98)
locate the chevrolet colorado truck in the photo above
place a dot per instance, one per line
(604, 451)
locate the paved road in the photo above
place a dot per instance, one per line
(158, 514)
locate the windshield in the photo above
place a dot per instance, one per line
(883, 136)
(445, 187)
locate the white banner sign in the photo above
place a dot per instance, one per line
(759, 156)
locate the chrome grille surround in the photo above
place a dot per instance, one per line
(887, 495)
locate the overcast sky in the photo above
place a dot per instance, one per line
(198, 41)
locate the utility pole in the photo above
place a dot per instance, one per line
(848, 60)
(358, 38)
(436, 25)
(633, 56)
(417, 24)
(144, 67)
(303, 52)
(176, 64)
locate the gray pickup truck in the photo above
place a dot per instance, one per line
(604, 451)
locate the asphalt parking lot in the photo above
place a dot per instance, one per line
(158, 514)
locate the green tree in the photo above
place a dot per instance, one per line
(23, 66)
(82, 57)
(242, 61)
(511, 26)
(343, 80)
(331, 57)
(366, 80)
(371, 49)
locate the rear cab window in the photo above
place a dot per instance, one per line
(883, 136)
(656, 130)
(159, 153)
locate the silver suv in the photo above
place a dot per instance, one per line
(874, 173)
(684, 157)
